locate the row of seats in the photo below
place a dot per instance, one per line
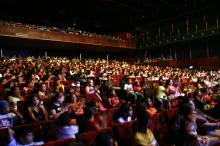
(122, 133)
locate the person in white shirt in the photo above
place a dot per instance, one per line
(8, 117)
(131, 95)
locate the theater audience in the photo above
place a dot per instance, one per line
(55, 77)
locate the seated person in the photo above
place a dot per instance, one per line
(138, 90)
(113, 99)
(76, 104)
(131, 94)
(9, 117)
(150, 107)
(58, 107)
(43, 93)
(207, 125)
(24, 138)
(188, 128)
(93, 94)
(15, 96)
(143, 136)
(67, 127)
(162, 97)
(36, 111)
(172, 91)
(87, 122)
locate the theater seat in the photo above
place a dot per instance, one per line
(88, 138)
(124, 133)
(171, 113)
(4, 133)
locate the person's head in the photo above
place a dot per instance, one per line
(59, 97)
(4, 107)
(88, 114)
(143, 122)
(192, 104)
(77, 87)
(72, 90)
(73, 97)
(129, 81)
(140, 108)
(34, 100)
(90, 82)
(169, 82)
(104, 139)
(126, 109)
(64, 119)
(25, 136)
(43, 87)
(11, 84)
(187, 112)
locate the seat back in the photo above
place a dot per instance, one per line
(88, 138)
(4, 133)
(124, 133)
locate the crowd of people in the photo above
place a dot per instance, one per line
(75, 92)
(68, 30)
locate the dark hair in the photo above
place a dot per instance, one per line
(167, 83)
(30, 101)
(64, 119)
(23, 132)
(125, 107)
(122, 111)
(140, 108)
(103, 139)
(88, 113)
(185, 110)
(143, 122)
(3, 105)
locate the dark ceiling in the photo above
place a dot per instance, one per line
(107, 16)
